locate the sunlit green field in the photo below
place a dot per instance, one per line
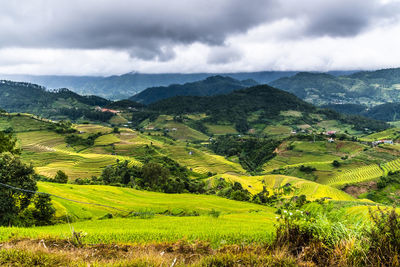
(311, 189)
(239, 222)
(131, 200)
(243, 228)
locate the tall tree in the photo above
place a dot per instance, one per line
(12, 202)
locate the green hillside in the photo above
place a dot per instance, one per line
(61, 103)
(214, 85)
(251, 110)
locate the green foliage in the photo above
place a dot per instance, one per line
(252, 152)
(32, 98)
(76, 140)
(236, 106)
(44, 212)
(322, 232)
(62, 127)
(307, 169)
(86, 113)
(278, 197)
(228, 190)
(12, 202)
(165, 175)
(214, 213)
(61, 177)
(384, 237)
(8, 143)
(199, 126)
(336, 163)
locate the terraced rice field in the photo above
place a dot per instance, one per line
(201, 161)
(22, 123)
(356, 175)
(391, 166)
(387, 134)
(239, 221)
(136, 200)
(311, 189)
(221, 129)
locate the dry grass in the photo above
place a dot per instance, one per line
(181, 253)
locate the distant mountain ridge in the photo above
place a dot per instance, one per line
(126, 85)
(366, 87)
(123, 86)
(213, 85)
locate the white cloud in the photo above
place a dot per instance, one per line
(113, 37)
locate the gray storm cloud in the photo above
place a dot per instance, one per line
(145, 28)
(149, 30)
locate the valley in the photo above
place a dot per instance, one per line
(218, 170)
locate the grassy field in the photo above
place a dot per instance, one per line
(306, 152)
(227, 229)
(239, 222)
(221, 129)
(391, 133)
(136, 200)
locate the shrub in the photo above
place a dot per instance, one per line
(336, 163)
(214, 213)
(61, 177)
(384, 237)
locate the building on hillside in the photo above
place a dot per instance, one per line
(110, 110)
(383, 141)
(330, 132)
(331, 140)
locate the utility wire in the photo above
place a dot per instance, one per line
(76, 201)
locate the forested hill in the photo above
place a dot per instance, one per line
(253, 106)
(214, 85)
(237, 103)
(367, 87)
(35, 99)
(385, 112)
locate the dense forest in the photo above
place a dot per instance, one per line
(214, 85)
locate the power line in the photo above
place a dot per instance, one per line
(72, 200)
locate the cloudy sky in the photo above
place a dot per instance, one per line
(103, 37)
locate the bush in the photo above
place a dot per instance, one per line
(336, 163)
(214, 213)
(61, 177)
(384, 237)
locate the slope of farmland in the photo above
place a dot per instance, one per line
(135, 200)
(355, 175)
(303, 187)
